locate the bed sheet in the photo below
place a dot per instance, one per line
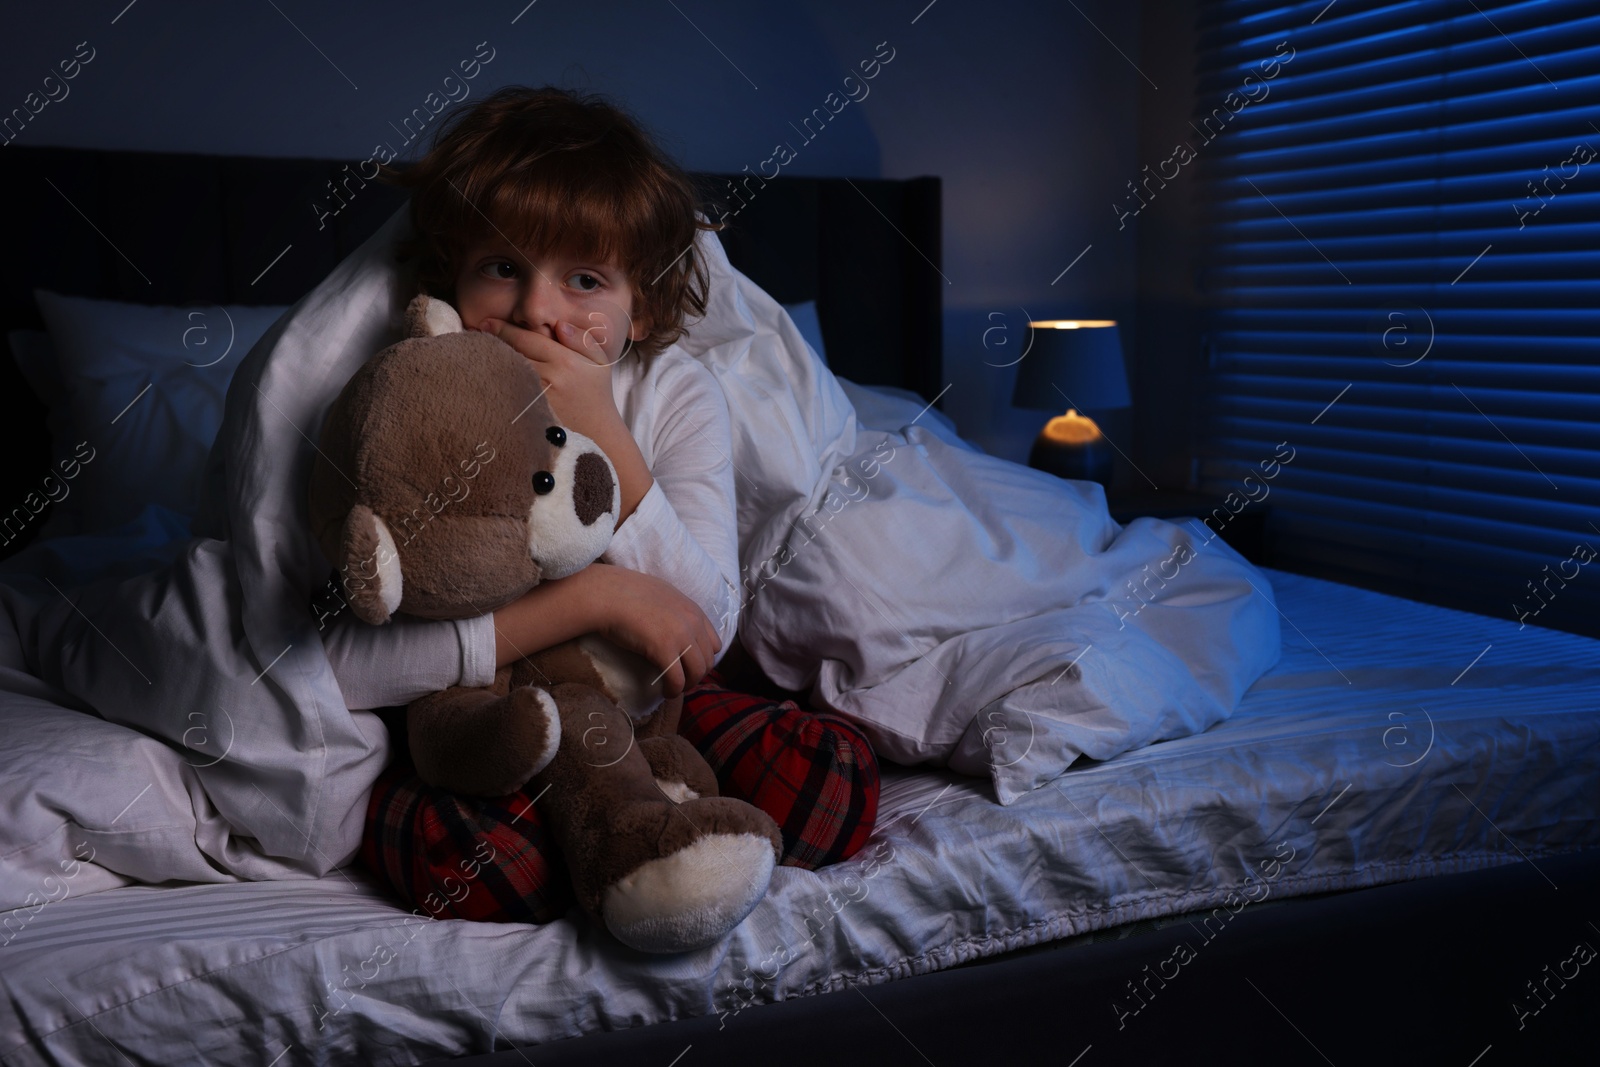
(1393, 740)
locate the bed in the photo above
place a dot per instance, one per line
(1387, 852)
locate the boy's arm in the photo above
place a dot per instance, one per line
(637, 611)
(634, 479)
(381, 666)
(407, 658)
(685, 527)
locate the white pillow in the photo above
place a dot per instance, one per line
(141, 387)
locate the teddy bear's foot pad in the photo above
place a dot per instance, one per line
(692, 898)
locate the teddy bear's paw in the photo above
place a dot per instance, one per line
(693, 897)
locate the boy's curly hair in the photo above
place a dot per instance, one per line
(566, 173)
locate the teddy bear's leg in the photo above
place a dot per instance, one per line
(679, 769)
(480, 742)
(696, 890)
(662, 877)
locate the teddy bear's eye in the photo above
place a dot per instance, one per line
(556, 436)
(543, 482)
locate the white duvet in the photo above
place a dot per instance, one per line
(964, 609)
(972, 612)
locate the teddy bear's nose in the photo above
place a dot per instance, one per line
(591, 488)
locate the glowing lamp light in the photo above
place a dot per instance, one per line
(1076, 365)
(1072, 429)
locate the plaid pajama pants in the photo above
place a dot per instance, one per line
(492, 860)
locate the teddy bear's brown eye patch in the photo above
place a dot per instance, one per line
(556, 436)
(543, 482)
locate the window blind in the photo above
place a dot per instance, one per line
(1402, 281)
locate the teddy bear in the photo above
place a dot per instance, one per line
(445, 487)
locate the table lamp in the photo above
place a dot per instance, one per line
(1074, 364)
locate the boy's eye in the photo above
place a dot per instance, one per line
(501, 269)
(587, 282)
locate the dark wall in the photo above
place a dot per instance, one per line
(1027, 111)
(1168, 361)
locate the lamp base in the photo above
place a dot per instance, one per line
(1087, 462)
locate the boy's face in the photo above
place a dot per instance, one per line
(496, 282)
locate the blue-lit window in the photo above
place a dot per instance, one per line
(1402, 274)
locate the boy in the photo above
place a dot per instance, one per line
(551, 220)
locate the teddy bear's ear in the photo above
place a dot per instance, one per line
(370, 565)
(430, 317)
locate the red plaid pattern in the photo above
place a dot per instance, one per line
(813, 772)
(456, 857)
(491, 860)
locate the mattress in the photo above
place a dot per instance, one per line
(1393, 740)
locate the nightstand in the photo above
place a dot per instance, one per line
(1244, 531)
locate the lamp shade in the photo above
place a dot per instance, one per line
(1072, 363)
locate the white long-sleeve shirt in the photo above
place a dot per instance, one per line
(684, 531)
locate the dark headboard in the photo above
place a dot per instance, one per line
(158, 228)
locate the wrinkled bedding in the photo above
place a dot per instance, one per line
(974, 613)
(241, 761)
(1393, 740)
